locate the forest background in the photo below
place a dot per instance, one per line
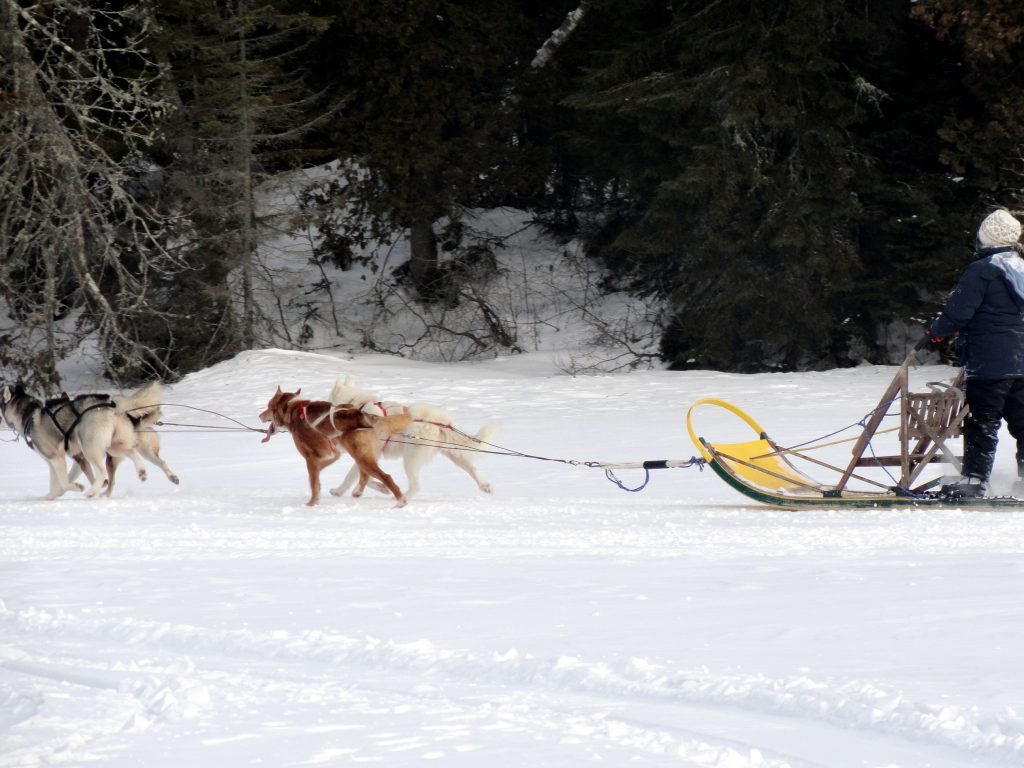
(790, 183)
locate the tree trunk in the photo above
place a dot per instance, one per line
(423, 256)
(245, 171)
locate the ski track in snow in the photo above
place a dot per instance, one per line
(560, 622)
(156, 694)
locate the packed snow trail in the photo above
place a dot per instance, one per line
(561, 621)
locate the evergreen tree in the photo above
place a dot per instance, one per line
(918, 220)
(985, 135)
(431, 121)
(245, 109)
(753, 146)
(746, 171)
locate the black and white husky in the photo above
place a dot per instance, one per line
(98, 431)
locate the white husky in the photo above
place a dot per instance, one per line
(431, 432)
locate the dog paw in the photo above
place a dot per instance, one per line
(336, 492)
(174, 479)
(486, 488)
(401, 503)
(143, 475)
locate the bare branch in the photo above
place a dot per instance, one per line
(77, 239)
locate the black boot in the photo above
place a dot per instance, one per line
(970, 487)
(1018, 485)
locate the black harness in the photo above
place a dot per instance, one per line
(26, 426)
(56, 405)
(53, 407)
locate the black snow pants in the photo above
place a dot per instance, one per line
(991, 401)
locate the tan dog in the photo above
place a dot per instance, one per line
(321, 431)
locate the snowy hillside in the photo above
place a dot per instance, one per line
(532, 292)
(559, 622)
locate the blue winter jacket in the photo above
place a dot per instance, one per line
(987, 308)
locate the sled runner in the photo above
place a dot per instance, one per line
(762, 470)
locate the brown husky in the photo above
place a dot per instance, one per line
(322, 430)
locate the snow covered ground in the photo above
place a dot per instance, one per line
(559, 622)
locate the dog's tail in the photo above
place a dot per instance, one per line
(488, 432)
(385, 426)
(142, 406)
(461, 441)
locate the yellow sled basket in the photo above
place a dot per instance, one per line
(758, 464)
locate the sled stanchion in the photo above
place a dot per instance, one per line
(898, 388)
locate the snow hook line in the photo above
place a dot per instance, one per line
(646, 466)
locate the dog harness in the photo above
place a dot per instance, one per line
(52, 409)
(27, 420)
(103, 401)
(384, 410)
(26, 429)
(327, 415)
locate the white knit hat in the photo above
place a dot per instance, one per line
(999, 228)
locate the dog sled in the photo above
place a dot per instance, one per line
(929, 423)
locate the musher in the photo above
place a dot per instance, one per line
(987, 309)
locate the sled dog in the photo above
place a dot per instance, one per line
(322, 431)
(98, 431)
(430, 433)
(143, 410)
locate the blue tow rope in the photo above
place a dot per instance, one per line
(611, 476)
